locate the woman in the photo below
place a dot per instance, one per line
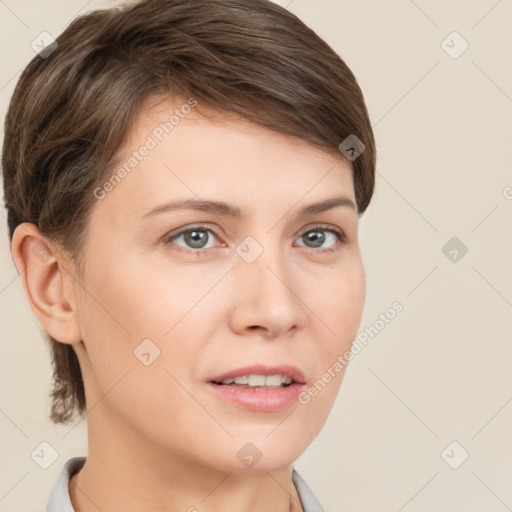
(184, 182)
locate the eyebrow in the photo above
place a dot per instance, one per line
(225, 209)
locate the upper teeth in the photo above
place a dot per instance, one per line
(260, 380)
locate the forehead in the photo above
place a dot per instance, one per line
(183, 149)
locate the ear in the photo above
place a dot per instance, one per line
(48, 282)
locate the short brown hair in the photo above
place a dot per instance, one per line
(72, 108)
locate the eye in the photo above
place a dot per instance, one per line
(319, 235)
(196, 238)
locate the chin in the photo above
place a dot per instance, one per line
(261, 454)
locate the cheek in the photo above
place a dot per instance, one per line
(131, 299)
(131, 309)
(124, 326)
(339, 304)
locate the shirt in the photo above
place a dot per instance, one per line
(61, 502)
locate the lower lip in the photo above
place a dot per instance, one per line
(258, 399)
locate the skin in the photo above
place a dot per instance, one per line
(158, 439)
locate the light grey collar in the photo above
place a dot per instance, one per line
(61, 502)
(307, 498)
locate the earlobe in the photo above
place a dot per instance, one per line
(46, 281)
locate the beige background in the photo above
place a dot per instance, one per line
(437, 373)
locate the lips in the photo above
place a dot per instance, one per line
(264, 399)
(293, 372)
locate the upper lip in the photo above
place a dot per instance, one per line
(259, 369)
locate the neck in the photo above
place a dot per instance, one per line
(125, 472)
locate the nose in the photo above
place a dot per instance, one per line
(266, 296)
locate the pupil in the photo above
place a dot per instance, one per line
(316, 237)
(196, 238)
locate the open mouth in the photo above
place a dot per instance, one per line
(258, 381)
(259, 387)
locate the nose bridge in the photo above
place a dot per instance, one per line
(269, 264)
(270, 299)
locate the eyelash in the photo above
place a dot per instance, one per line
(341, 237)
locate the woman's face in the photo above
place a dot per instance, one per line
(175, 298)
